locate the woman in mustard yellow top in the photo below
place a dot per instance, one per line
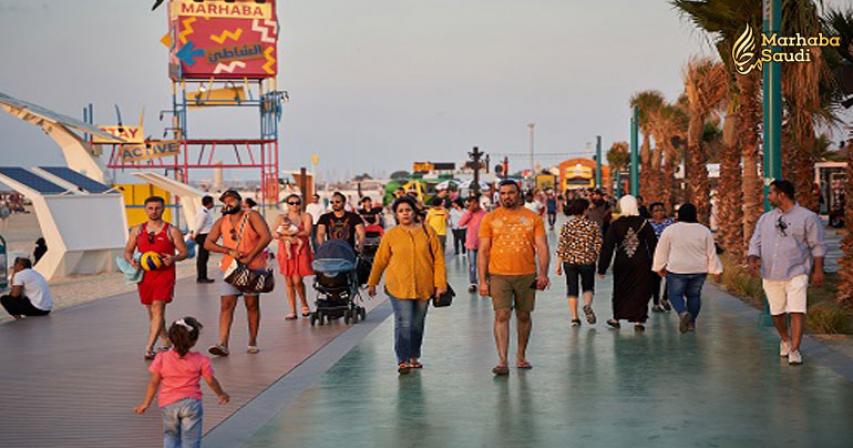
(412, 256)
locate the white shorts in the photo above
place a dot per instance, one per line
(786, 296)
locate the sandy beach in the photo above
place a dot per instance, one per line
(21, 232)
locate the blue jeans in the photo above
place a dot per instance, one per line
(472, 267)
(182, 424)
(680, 286)
(409, 317)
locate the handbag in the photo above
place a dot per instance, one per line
(244, 278)
(445, 299)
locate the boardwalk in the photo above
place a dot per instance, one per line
(71, 380)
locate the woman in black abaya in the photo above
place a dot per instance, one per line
(632, 240)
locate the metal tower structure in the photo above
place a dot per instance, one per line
(222, 56)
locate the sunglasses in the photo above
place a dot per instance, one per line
(782, 226)
(294, 202)
(151, 237)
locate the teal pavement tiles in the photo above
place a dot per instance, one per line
(724, 385)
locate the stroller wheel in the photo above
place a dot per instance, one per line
(313, 319)
(362, 313)
(347, 316)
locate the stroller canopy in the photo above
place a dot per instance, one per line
(334, 256)
(339, 249)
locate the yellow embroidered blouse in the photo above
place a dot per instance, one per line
(406, 257)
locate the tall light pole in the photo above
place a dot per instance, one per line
(597, 161)
(772, 103)
(772, 119)
(635, 153)
(530, 127)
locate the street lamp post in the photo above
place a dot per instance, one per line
(772, 125)
(530, 127)
(635, 153)
(597, 161)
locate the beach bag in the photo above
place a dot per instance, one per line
(247, 280)
(445, 299)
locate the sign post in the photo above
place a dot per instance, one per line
(597, 161)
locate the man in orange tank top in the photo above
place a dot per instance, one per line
(244, 235)
(157, 287)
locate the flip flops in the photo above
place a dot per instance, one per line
(524, 365)
(218, 350)
(500, 370)
(149, 355)
(291, 316)
(403, 368)
(252, 349)
(306, 311)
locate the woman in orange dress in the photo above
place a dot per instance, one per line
(294, 260)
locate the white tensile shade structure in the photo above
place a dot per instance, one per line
(82, 221)
(78, 153)
(190, 196)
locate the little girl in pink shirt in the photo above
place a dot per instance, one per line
(176, 373)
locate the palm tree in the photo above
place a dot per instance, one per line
(705, 86)
(618, 159)
(725, 20)
(806, 105)
(648, 102)
(671, 130)
(840, 23)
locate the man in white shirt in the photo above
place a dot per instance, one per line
(316, 210)
(201, 227)
(30, 295)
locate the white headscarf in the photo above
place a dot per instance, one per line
(628, 206)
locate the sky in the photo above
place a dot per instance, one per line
(375, 85)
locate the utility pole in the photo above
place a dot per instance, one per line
(475, 156)
(772, 87)
(530, 127)
(597, 161)
(635, 153)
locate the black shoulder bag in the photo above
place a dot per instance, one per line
(447, 298)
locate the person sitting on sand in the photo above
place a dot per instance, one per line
(30, 295)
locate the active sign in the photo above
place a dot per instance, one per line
(152, 149)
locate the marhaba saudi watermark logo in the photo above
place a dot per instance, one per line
(796, 48)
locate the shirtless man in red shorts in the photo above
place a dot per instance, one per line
(157, 287)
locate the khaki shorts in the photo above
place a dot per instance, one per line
(512, 292)
(786, 296)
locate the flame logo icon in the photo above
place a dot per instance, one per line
(743, 52)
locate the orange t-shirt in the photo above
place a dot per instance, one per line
(513, 236)
(247, 242)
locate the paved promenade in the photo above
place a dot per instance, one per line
(71, 380)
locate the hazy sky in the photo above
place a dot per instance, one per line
(374, 84)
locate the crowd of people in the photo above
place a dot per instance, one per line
(508, 257)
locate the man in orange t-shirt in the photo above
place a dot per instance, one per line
(512, 240)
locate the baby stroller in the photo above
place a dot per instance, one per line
(372, 237)
(336, 283)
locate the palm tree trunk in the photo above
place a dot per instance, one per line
(845, 271)
(668, 180)
(646, 175)
(748, 119)
(731, 213)
(697, 175)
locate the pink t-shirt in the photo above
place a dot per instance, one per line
(180, 376)
(472, 234)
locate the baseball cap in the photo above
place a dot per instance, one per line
(232, 193)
